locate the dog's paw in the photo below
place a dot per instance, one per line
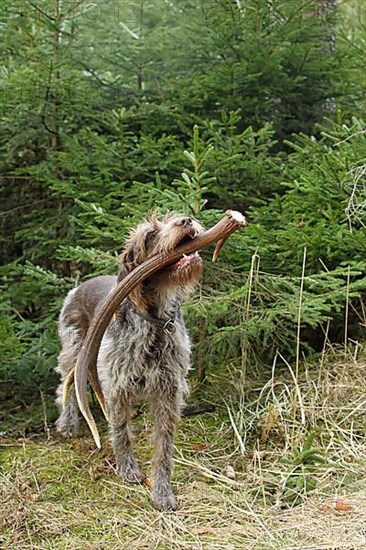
(130, 472)
(164, 499)
(66, 428)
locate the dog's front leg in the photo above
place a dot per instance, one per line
(120, 412)
(167, 414)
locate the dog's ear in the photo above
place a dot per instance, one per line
(136, 251)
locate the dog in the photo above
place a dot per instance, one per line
(145, 351)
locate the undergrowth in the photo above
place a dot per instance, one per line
(276, 466)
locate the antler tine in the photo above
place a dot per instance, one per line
(87, 360)
(95, 384)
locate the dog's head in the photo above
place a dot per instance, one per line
(155, 236)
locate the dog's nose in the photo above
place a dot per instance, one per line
(185, 221)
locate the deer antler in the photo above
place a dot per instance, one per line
(86, 366)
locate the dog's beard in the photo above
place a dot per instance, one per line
(187, 272)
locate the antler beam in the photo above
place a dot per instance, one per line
(86, 366)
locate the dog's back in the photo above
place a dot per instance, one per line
(83, 302)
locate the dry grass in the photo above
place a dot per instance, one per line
(245, 478)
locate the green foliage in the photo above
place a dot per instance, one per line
(27, 349)
(33, 369)
(240, 158)
(312, 212)
(105, 120)
(264, 58)
(29, 346)
(11, 347)
(304, 462)
(312, 217)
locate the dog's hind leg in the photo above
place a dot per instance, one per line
(68, 422)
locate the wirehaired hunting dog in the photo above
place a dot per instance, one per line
(145, 352)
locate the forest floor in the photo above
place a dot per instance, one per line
(296, 480)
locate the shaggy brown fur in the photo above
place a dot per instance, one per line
(145, 352)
